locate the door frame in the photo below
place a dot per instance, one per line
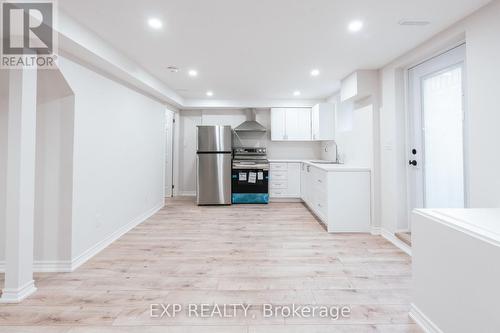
(408, 109)
(169, 181)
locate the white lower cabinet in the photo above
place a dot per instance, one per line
(304, 188)
(340, 199)
(284, 180)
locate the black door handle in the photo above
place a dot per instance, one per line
(413, 162)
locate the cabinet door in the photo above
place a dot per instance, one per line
(349, 87)
(294, 180)
(278, 132)
(315, 123)
(323, 122)
(303, 182)
(306, 184)
(358, 85)
(298, 124)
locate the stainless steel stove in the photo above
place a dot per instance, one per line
(250, 176)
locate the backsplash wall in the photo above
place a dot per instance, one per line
(328, 150)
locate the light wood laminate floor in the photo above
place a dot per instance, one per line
(253, 254)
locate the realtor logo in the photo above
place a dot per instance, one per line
(28, 37)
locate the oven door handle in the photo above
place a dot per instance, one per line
(248, 166)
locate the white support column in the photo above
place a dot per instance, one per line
(20, 199)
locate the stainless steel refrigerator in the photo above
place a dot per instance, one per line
(214, 165)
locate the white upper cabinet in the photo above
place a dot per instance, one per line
(323, 122)
(291, 124)
(298, 124)
(358, 85)
(303, 124)
(278, 132)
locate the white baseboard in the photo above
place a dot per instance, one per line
(58, 266)
(89, 253)
(16, 296)
(396, 241)
(54, 266)
(284, 200)
(376, 231)
(422, 320)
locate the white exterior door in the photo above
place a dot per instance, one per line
(436, 165)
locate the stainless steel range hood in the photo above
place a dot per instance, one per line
(251, 125)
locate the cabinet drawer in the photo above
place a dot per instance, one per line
(278, 193)
(279, 166)
(275, 184)
(279, 175)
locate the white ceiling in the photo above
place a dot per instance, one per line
(263, 50)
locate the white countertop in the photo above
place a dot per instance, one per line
(481, 223)
(326, 167)
(286, 161)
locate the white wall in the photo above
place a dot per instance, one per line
(483, 70)
(99, 160)
(54, 168)
(4, 105)
(483, 73)
(119, 155)
(54, 179)
(275, 150)
(328, 149)
(355, 145)
(54, 165)
(354, 133)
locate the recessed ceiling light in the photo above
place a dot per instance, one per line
(155, 23)
(315, 72)
(296, 93)
(193, 73)
(210, 93)
(355, 26)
